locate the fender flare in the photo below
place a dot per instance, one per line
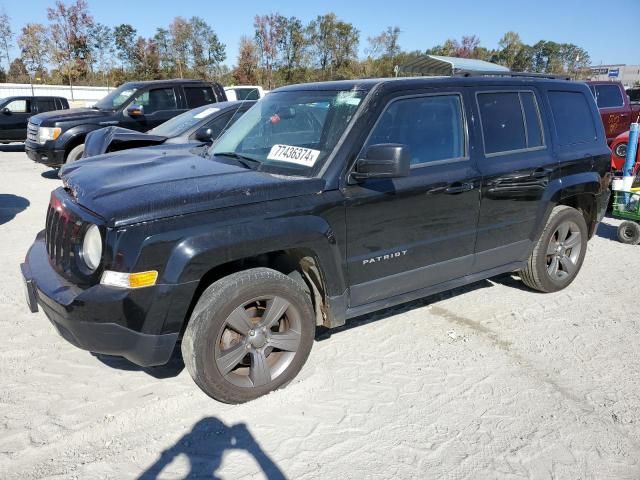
(196, 255)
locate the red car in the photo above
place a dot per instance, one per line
(619, 152)
(616, 109)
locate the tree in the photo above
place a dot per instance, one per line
(386, 44)
(34, 47)
(102, 48)
(246, 72)
(206, 49)
(468, 47)
(268, 33)
(69, 32)
(181, 34)
(6, 35)
(162, 38)
(18, 72)
(124, 39)
(321, 33)
(292, 45)
(146, 61)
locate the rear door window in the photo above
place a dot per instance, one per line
(198, 96)
(46, 104)
(609, 96)
(572, 117)
(510, 121)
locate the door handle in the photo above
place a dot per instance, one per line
(458, 187)
(541, 173)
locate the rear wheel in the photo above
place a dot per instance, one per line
(75, 153)
(559, 253)
(250, 333)
(629, 232)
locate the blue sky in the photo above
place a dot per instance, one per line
(424, 23)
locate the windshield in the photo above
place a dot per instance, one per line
(183, 122)
(291, 131)
(115, 99)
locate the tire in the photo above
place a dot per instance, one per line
(75, 153)
(558, 256)
(240, 362)
(629, 233)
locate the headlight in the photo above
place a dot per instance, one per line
(92, 248)
(621, 150)
(48, 133)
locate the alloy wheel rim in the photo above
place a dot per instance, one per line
(258, 341)
(563, 251)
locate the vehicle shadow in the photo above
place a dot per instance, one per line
(205, 445)
(51, 174)
(10, 206)
(171, 369)
(607, 231)
(12, 147)
(323, 333)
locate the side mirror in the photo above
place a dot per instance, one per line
(203, 134)
(135, 111)
(387, 160)
(6, 111)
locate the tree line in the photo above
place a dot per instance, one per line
(75, 49)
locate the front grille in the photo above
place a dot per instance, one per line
(62, 236)
(32, 132)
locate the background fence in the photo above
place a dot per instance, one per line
(82, 96)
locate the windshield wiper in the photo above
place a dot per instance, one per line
(242, 159)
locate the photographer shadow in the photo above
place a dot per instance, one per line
(205, 445)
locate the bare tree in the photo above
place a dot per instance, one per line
(268, 34)
(69, 31)
(181, 32)
(246, 72)
(6, 36)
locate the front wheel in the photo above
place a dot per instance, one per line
(250, 333)
(559, 253)
(75, 153)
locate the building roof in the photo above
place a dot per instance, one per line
(441, 65)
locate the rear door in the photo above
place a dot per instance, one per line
(198, 95)
(517, 164)
(45, 104)
(614, 108)
(409, 233)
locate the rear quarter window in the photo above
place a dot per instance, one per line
(609, 96)
(199, 95)
(572, 117)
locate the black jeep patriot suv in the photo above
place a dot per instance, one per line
(323, 202)
(55, 138)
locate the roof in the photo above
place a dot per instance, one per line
(441, 65)
(167, 81)
(485, 78)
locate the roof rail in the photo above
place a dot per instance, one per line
(478, 73)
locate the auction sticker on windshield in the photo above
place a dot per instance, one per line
(291, 154)
(206, 112)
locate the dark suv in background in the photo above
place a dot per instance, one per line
(55, 138)
(15, 112)
(323, 202)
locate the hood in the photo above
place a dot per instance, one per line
(117, 138)
(148, 184)
(49, 118)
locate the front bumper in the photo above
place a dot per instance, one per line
(100, 318)
(45, 154)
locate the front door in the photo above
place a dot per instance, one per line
(159, 105)
(15, 119)
(409, 233)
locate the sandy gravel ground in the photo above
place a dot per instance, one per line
(489, 381)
